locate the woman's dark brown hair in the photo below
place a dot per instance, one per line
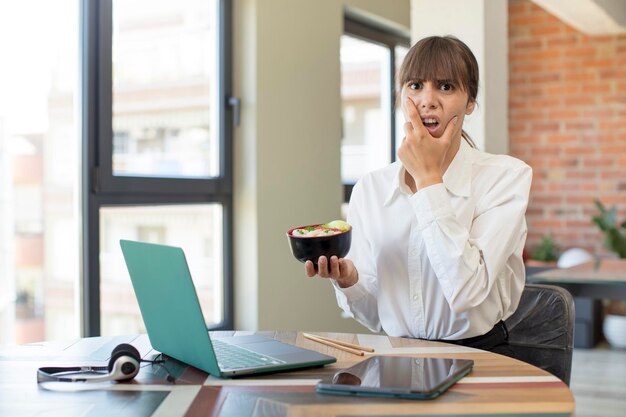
(442, 58)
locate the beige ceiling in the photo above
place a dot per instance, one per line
(593, 17)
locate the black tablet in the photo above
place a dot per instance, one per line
(397, 376)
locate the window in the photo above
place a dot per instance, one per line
(195, 227)
(158, 166)
(370, 58)
(113, 124)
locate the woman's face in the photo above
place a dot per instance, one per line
(437, 103)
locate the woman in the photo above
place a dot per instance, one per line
(438, 235)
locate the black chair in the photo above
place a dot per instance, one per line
(541, 331)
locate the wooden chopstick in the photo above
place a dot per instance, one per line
(338, 344)
(346, 344)
(331, 344)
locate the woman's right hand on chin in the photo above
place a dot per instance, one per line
(341, 270)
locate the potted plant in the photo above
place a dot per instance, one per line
(545, 255)
(614, 235)
(614, 240)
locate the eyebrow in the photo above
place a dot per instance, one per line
(436, 81)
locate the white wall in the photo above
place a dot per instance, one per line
(287, 153)
(483, 26)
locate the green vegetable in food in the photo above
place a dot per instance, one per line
(338, 224)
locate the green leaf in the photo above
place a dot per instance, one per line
(614, 237)
(546, 251)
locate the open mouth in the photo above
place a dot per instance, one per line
(430, 123)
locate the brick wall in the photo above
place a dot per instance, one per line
(567, 120)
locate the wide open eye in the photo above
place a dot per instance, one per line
(446, 86)
(414, 85)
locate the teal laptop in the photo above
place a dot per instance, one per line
(171, 312)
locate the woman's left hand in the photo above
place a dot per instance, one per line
(421, 154)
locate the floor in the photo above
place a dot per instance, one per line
(599, 381)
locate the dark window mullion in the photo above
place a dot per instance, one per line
(228, 321)
(90, 85)
(116, 200)
(371, 34)
(98, 98)
(163, 186)
(224, 88)
(104, 100)
(226, 157)
(392, 101)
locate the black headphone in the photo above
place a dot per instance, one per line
(123, 366)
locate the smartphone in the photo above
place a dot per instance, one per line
(415, 378)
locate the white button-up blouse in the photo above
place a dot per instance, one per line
(445, 262)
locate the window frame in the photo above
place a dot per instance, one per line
(368, 31)
(100, 188)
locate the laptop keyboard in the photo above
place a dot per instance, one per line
(235, 357)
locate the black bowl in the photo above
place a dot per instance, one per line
(311, 248)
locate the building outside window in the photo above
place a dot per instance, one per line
(39, 171)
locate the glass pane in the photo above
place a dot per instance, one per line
(196, 228)
(400, 52)
(365, 92)
(164, 88)
(39, 170)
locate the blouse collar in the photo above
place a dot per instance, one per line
(457, 178)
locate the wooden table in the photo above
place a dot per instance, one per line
(605, 278)
(588, 283)
(497, 385)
